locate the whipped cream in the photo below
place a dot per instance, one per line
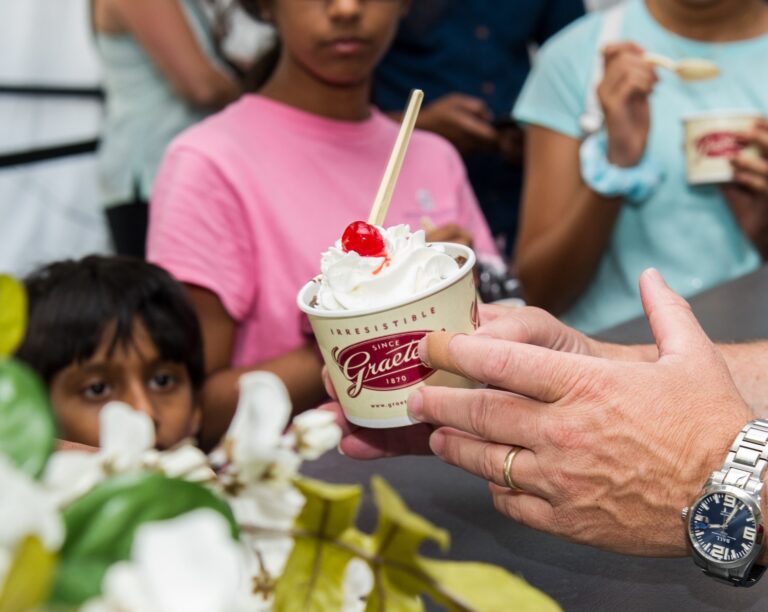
(352, 282)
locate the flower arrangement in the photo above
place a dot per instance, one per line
(133, 529)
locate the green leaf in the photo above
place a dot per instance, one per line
(325, 536)
(397, 539)
(13, 314)
(102, 524)
(29, 578)
(387, 595)
(326, 540)
(27, 426)
(483, 587)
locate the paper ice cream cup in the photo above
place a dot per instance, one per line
(712, 139)
(372, 355)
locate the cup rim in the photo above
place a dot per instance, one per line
(459, 249)
(725, 113)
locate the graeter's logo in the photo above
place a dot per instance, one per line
(720, 144)
(387, 362)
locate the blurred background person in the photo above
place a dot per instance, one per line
(471, 59)
(50, 119)
(162, 73)
(606, 193)
(247, 201)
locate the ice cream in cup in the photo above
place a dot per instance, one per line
(712, 139)
(379, 293)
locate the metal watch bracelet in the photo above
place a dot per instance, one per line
(744, 467)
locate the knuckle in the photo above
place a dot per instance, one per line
(451, 450)
(498, 361)
(509, 506)
(488, 464)
(566, 434)
(480, 415)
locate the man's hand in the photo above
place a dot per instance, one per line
(362, 443)
(522, 325)
(612, 450)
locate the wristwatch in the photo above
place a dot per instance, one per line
(725, 525)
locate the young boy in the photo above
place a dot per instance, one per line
(114, 328)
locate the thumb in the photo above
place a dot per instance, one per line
(673, 324)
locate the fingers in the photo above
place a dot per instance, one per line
(496, 416)
(347, 428)
(379, 443)
(449, 232)
(328, 384)
(616, 49)
(490, 312)
(470, 104)
(626, 74)
(361, 443)
(524, 508)
(674, 326)
(533, 326)
(624, 82)
(751, 173)
(528, 370)
(477, 128)
(759, 136)
(486, 460)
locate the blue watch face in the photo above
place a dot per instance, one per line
(723, 527)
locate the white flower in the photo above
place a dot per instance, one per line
(254, 452)
(187, 564)
(267, 506)
(127, 440)
(316, 433)
(261, 417)
(29, 510)
(358, 582)
(124, 436)
(186, 461)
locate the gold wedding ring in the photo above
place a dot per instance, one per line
(508, 466)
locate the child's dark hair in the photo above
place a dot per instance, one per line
(72, 303)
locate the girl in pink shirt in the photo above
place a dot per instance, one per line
(246, 201)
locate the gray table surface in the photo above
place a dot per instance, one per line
(578, 577)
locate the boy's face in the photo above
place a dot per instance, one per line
(135, 374)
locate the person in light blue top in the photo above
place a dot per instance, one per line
(606, 192)
(162, 73)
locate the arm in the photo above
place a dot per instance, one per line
(565, 226)
(299, 369)
(161, 28)
(748, 364)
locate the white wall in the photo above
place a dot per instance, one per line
(48, 210)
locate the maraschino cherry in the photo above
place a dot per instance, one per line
(364, 239)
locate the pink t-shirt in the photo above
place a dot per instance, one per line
(246, 201)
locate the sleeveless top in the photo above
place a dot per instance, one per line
(687, 232)
(143, 112)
